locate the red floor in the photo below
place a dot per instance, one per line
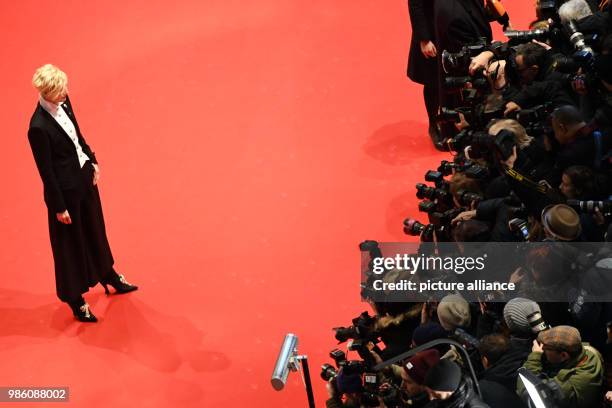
(246, 148)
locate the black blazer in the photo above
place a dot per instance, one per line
(420, 69)
(55, 155)
(460, 22)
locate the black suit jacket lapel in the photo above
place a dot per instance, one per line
(53, 122)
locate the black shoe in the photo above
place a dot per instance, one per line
(436, 138)
(81, 311)
(120, 285)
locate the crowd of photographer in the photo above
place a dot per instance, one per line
(529, 125)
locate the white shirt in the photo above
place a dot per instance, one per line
(64, 121)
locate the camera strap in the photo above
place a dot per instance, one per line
(524, 180)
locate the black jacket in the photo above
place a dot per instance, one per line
(55, 155)
(420, 69)
(464, 397)
(460, 22)
(581, 151)
(504, 371)
(498, 396)
(548, 86)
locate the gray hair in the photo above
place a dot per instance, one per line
(574, 10)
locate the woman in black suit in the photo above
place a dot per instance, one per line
(69, 172)
(422, 63)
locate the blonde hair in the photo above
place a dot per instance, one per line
(520, 134)
(50, 80)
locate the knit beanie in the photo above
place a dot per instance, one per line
(444, 376)
(419, 365)
(453, 312)
(516, 312)
(428, 332)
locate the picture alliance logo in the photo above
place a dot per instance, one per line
(415, 263)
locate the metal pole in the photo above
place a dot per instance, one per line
(304, 360)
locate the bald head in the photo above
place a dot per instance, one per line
(566, 121)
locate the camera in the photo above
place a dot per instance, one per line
(328, 372)
(519, 227)
(426, 231)
(531, 116)
(460, 82)
(466, 339)
(428, 207)
(430, 193)
(459, 62)
(466, 198)
(371, 247)
(362, 328)
(445, 218)
(547, 10)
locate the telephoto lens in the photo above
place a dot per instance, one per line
(537, 323)
(605, 207)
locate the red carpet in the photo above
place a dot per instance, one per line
(246, 148)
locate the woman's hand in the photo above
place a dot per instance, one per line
(428, 49)
(96, 175)
(64, 217)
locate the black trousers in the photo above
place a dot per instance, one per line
(81, 253)
(432, 101)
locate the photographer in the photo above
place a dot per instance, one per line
(395, 324)
(529, 158)
(447, 386)
(523, 318)
(532, 71)
(347, 385)
(576, 368)
(597, 106)
(593, 24)
(413, 376)
(498, 380)
(578, 144)
(581, 183)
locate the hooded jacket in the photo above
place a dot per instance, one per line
(580, 380)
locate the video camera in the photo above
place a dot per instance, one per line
(458, 63)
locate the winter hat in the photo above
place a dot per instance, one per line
(419, 365)
(453, 312)
(444, 376)
(349, 383)
(428, 332)
(516, 312)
